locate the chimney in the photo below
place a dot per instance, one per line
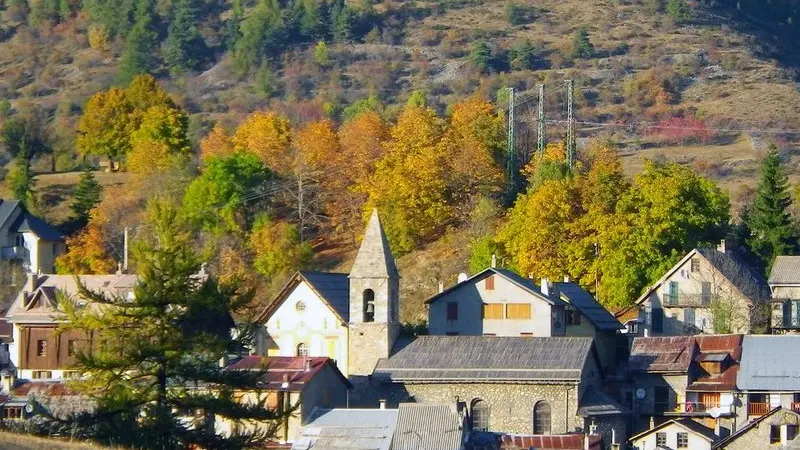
(441, 287)
(7, 381)
(566, 278)
(223, 362)
(307, 364)
(119, 268)
(494, 260)
(382, 404)
(722, 248)
(33, 282)
(545, 287)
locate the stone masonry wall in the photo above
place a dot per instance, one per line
(369, 342)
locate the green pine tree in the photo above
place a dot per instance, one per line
(582, 48)
(20, 181)
(184, 45)
(87, 196)
(140, 46)
(481, 55)
(679, 10)
(312, 25)
(262, 36)
(772, 231)
(233, 25)
(343, 23)
(156, 354)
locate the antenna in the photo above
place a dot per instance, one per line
(570, 124)
(540, 138)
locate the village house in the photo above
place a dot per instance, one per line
(352, 319)
(535, 385)
(675, 434)
(784, 283)
(502, 441)
(685, 377)
(769, 375)
(709, 291)
(775, 429)
(28, 240)
(355, 429)
(37, 351)
(304, 383)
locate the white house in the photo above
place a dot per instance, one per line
(27, 239)
(675, 434)
(784, 284)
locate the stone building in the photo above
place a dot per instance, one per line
(515, 385)
(709, 291)
(350, 318)
(776, 429)
(675, 434)
(784, 283)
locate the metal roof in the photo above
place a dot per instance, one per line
(785, 270)
(425, 426)
(596, 403)
(27, 222)
(352, 429)
(467, 359)
(770, 363)
(583, 301)
(661, 354)
(717, 348)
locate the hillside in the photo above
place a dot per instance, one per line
(644, 66)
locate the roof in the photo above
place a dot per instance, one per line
(27, 222)
(38, 302)
(785, 270)
(425, 426)
(586, 304)
(524, 283)
(596, 403)
(661, 354)
(746, 280)
(353, 429)
(770, 363)
(59, 399)
(436, 359)
(289, 369)
(7, 208)
(750, 425)
(687, 424)
(374, 258)
(486, 440)
(717, 348)
(333, 288)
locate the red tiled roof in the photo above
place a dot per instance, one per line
(731, 345)
(290, 369)
(43, 388)
(540, 442)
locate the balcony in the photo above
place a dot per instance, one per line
(796, 407)
(13, 252)
(757, 409)
(690, 408)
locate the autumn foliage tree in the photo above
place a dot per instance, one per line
(269, 136)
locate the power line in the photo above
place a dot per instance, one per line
(674, 127)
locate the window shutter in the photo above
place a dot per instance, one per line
(787, 313)
(490, 283)
(658, 320)
(452, 311)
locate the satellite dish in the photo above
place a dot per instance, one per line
(641, 393)
(29, 408)
(715, 412)
(462, 277)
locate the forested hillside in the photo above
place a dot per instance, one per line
(277, 124)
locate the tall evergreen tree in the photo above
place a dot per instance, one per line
(769, 221)
(184, 46)
(20, 180)
(343, 21)
(156, 353)
(87, 196)
(582, 47)
(262, 35)
(233, 25)
(141, 44)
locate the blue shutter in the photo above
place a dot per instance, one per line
(658, 320)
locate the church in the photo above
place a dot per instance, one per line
(351, 318)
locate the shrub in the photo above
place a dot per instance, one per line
(518, 14)
(582, 48)
(681, 130)
(98, 36)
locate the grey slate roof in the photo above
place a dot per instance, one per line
(352, 429)
(770, 363)
(583, 301)
(7, 208)
(596, 403)
(740, 274)
(785, 270)
(425, 426)
(511, 276)
(688, 424)
(374, 258)
(437, 359)
(334, 288)
(30, 223)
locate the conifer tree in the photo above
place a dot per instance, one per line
(582, 47)
(262, 35)
(184, 46)
(87, 196)
(156, 353)
(772, 230)
(20, 180)
(234, 24)
(141, 44)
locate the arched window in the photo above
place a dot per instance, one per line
(369, 305)
(541, 418)
(480, 415)
(302, 349)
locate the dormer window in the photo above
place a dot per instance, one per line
(714, 363)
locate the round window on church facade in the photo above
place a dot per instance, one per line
(300, 306)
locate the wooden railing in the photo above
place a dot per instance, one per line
(796, 406)
(757, 409)
(687, 407)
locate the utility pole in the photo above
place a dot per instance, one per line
(125, 251)
(511, 165)
(540, 138)
(570, 124)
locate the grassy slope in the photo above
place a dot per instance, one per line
(12, 441)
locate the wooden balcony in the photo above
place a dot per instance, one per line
(757, 409)
(690, 408)
(796, 406)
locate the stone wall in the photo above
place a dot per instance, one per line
(644, 409)
(369, 342)
(758, 436)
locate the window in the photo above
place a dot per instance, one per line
(688, 317)
(695, 266)
(489, 283)
(775, 434)
(705, 293)
(452, 311)
(541, 418)
(71, 375)
(683, 440)
(658, 320)
(41, 347)
(480, 415)
(661, 439)
(791, 432)
(12, 412)
(672, 294)
(369, 305)
(300, 306)
(302, 349)
(42, 375)
(661, 398)
(518, 311)
(71, 347)
(20, 240)
(493, 310)
(573, 317)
